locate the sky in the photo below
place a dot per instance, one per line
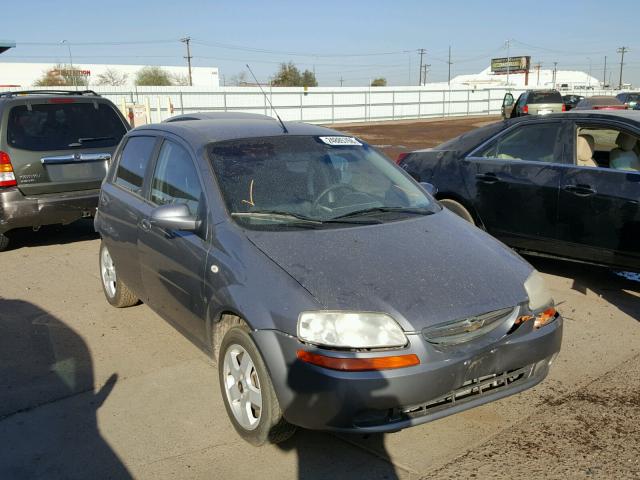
(351, 40)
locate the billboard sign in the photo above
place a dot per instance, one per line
(510, 64)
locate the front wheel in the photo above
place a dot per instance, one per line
(248, 393)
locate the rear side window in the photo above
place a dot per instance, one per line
(176, 179)
(544, 97)
(64, 126)
(133, 163)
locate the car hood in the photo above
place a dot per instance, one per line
(423, 271)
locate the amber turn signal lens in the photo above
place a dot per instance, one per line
(545, 317)
(359, 364)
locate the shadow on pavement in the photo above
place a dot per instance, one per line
(323, 455)
(48, 425)
(52, 235)
(619, 291)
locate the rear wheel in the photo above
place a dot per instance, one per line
(247, 391)
(116, 292)
(4, 242)
(458, 209)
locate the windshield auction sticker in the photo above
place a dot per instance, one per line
(340, 141)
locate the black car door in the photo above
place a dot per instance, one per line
(122, 205)
(513, 181)
(173, 262)
(599, 207)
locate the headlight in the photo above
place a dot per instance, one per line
(350, 329)
(540, 301)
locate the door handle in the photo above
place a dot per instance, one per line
(487, 177)
(580, 190)
(145, 224)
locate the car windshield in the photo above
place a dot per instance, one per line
(308, 181)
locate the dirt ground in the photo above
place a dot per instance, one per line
(397, 137)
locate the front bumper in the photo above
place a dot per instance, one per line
(447, 381)
(17, 210)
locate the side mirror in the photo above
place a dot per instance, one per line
(174, 217)
(430, 188)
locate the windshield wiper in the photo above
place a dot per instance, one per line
(301, 219)
(89, 139)
(374, 210)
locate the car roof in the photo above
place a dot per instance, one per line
(231, 127)
(46, 94)
(217, 115)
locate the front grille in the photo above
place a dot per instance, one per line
(470, 390)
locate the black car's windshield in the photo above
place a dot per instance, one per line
(303, 179)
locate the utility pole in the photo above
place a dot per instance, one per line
(538, 65)
(555, 70)
(426, 69)
(187, 40)
(604, 73)
(508, 44)
(589, 77)
(422, 51)
(341, 80)
(449, 63)
(621, 51)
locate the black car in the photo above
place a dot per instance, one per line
(570, 101)
(564, 185)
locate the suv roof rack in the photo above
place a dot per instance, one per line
(46, 92)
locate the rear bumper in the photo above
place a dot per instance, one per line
(17, 210)
(385, 401)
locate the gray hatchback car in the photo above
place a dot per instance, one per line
(330, 288)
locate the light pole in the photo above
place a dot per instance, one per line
(589, 77)
(64, 42)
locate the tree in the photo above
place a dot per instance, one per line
(153, 76)
(290, 76)
(379, 82)
(179, 79)
(61, 76)
(112, 78)
(239, 79)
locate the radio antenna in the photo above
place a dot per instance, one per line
(270, 104)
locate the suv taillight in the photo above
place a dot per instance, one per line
(7, 177)
(525, 109)
(564, 107)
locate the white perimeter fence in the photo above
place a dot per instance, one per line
(320, 104)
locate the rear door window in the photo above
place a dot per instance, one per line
(64, 126)
(133, 163)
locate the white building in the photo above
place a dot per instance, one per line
(542, 78)
(13, 74)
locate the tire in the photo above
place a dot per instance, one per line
(115, 291)
(458, 209)
(257, 422)
(4, 242)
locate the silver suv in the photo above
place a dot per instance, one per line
(55, 147)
